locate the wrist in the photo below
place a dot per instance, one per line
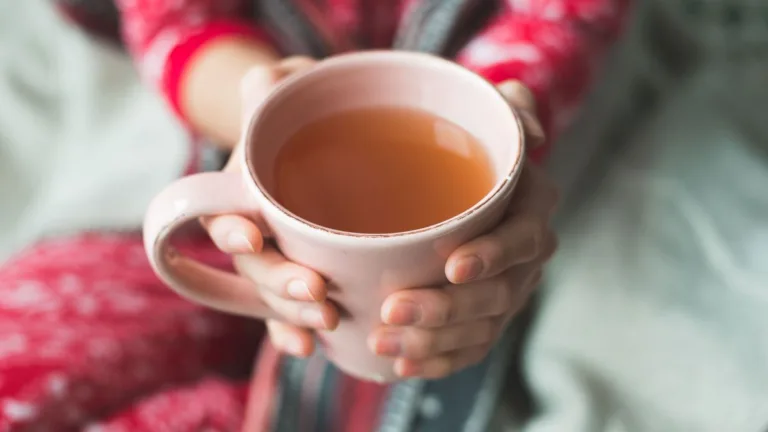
(203, 73)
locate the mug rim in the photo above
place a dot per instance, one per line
(365, 58)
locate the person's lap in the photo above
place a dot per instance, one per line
(654, 312)
(86, 328)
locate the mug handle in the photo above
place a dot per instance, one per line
(187, 199)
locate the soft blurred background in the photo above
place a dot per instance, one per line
(654, 317)
(655, 313)
(81, 139)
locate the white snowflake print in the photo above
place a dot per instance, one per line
(155, 57)
(18, 411)
(483, 53)
(12, 344)
(26, 295)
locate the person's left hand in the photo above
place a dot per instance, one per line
(434, 332)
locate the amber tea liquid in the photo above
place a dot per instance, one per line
(381, 170)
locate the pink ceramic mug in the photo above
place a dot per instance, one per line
(362, 269)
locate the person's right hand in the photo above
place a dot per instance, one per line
(296, 293)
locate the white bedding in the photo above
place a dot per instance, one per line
(83, 145)
(656, 310)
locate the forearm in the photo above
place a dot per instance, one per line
(195, 52)
(209, 88)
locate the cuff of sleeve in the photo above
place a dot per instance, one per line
(180, 56)
(499, 73)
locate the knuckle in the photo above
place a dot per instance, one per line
(445, 307)
(529, 240)
(493, 252)
(427, 343)
(521, 240)
(243, 266)
(525, 225)
(486, 331)
(482, 302)
(421, 344)
(505, 296)
(481, 354)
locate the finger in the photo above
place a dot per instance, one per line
(317, 316)
(525, 280)
(439, 367)
(290, 339)
(271, 271)
(233, 234)
(437, 307)
(535, 192)
(515, 242)
(255, 86)
(520, 238)
(518, 95)
(417, 343)
(258, 82)
(523, 101)
(296, 64)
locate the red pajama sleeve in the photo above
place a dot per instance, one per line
(553, 47)
(164, 35)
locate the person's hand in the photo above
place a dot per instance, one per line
(298, 294)
(433, 332)
(509, 271)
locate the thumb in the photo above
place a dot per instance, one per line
(295, 64)
(254, 88)
(523, 101)
(259, 81)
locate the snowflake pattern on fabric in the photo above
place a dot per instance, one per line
(85, 327)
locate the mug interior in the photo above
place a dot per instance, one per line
(386, 79)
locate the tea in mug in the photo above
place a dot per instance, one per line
(381, 170)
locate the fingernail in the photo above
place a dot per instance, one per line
(238, 241)
(388, 344)
(299, 290)
(468, 268)
(313, 317)
(404, 312)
